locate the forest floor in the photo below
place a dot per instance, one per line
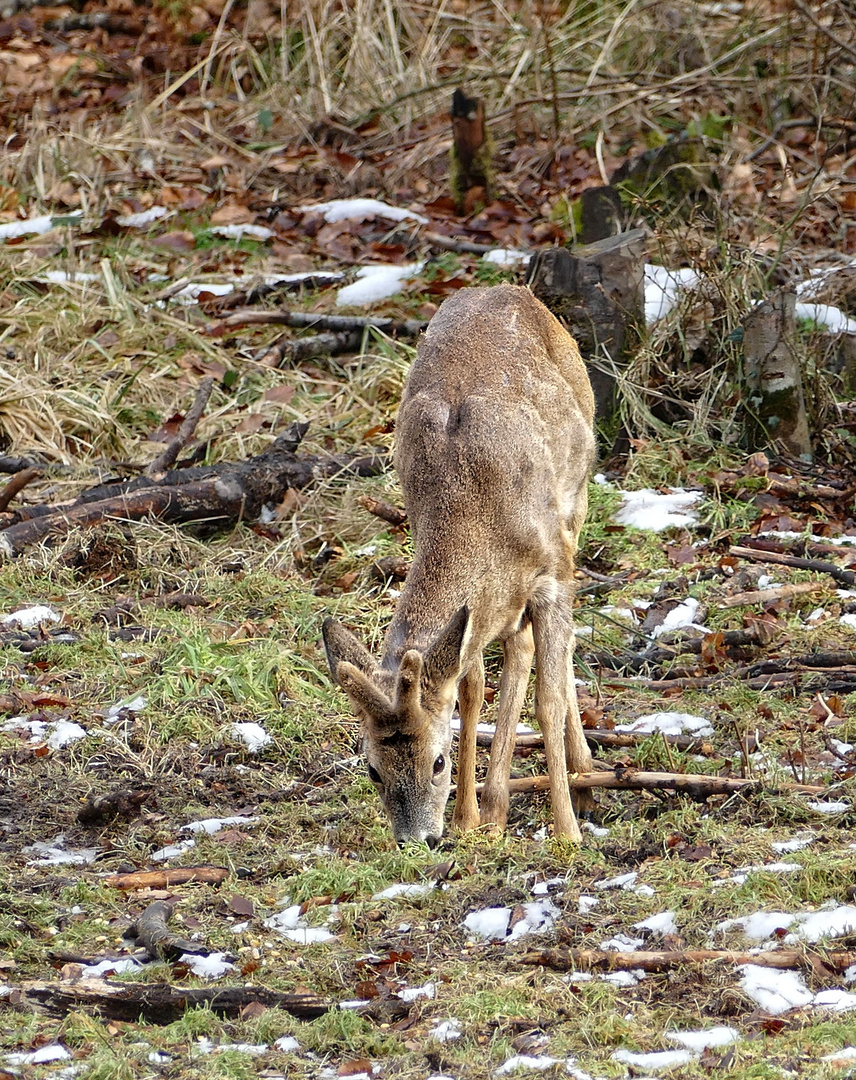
(181, 671)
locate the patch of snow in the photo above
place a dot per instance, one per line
(625, 979)
(841, 747)
(669, 723)
(831, 921)
(213, 966)
(253, 736)
(623, 881)
(526, 1061)
(541, 888)
(31, 617)
(64, 277)
(210, 826)
(654, 511)
(490, 924)
(143, 218)
(290, 924)
(159, 1057)
(847, 1054)
(663, 288)
(774, 989)
(701, 1040)
(135, 704)
(816, 615)
(287, 1044)
(835, 1000)
(587, 904)
(620, 613)
(683, 615)
(238, 232)
(411, 993)
(357, 1003)
(192, 291)
(507, 256)
(44, 1054)
(848, 621)
(446, 1031)
(797, 844)
(204, 1045)
(171, 850)
(63, 733)
(54, 853)
(413, 890)
(658, 1061)
(664, 923)
(829, 807)
(538, 918)
(360, 210)
(788, 534)
(309, 935)
(376, 283)
(850, 974)
(595, 830)
(759, 925)
(116, 967)
(827, 317)
(622, 943)
(34, 226)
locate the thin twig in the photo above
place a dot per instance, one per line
(167, 457)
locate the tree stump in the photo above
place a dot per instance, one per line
(773, 375)
(598, 291)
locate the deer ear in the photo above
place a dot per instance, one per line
(444, 658)
(341, 645)
(369, 698)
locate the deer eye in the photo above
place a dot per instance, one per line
(439, 765)
(374, 775)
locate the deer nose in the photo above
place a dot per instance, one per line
(432, 841)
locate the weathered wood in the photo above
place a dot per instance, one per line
(150, 932)
(307, 320)
(470, 172)
(567, 959)
(17, 483)
(384, 510)
(599, 293)
(846, 577)
(773, 375)
(165, 879)
(768, 596)
(696, 785)
(218, 495)
(289, 350)
(160, 1003)
(168, 456)
(600, 214)
(613, 740)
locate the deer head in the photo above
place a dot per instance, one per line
(405, 713)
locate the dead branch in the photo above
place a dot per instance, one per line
(304, 320)
(567, 959)
(167, 457)
(18, 482)
(164, 879)
(265, 289)
(384, 510)
(820, 566)
(767, 596)
(151, 933)
(609, 739)
(17, 464)
(801, 547)
(660, 652)
(697, 785)
(219, 495)
(160, 1003)
(454, 243)
(289, 350)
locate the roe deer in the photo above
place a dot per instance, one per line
(494, 445)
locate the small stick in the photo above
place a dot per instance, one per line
(610, 739)
(17, 483)
(384, 510)
(846, 577)
(164, 879)
(290, 350)
(766, 596)
(166, 458)
(152, 934)
(565, 959)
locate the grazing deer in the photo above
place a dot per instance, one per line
(494, 445)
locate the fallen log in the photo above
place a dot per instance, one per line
(567, 959)
(164, 879)
(697, 785)
(610, 739)
(218, 495)
(820, 566)
(160, 1003)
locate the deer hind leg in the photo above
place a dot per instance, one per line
(470, 698)
(552, 625)
(577, 752)
(518, 651)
